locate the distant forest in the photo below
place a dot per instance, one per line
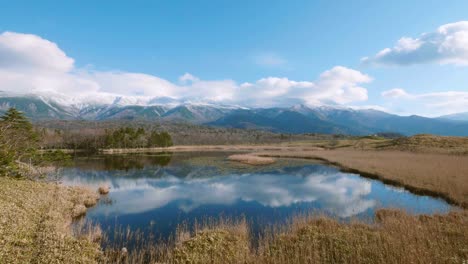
(129, 137)
(138, 134)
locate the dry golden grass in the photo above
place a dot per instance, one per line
(394, 237)
(34, 226)
(440, 175)
(220, 240)
(35, 223)
(216, 148)
(251, 159)
(430, 144)
(226, 240)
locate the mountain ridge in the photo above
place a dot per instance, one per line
(295, 119)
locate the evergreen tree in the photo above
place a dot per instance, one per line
(16, 119)
(128, 137)
(18, 140)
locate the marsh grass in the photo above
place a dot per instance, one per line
(438, 175)
(209, 240)
(35, 223)
(393, 236)
(251, 159)
(36, 227)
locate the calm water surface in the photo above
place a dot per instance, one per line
(157, 192)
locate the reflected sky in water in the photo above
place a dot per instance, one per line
(167, 189)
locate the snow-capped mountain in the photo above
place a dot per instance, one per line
(294, 119)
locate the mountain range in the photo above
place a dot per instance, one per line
(295, 119)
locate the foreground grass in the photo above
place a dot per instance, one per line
(35, 223)
(394, 237)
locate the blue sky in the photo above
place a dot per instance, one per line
(229, 47)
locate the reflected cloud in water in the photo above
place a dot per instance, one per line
(338, 193)
(183, 188)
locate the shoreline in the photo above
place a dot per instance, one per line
(202, 148)
(373, 176)
(417, 165)
(412, 167)
(336, 158)
(367, 163)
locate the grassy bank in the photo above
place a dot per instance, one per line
(441, 175)
(394, 237)
(251, 159)
(190, 148)
(36, 217)
(35, 223)
(424, 164)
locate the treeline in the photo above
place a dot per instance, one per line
(81, 134)
(129, 137)
(19, 144)
(92, 138)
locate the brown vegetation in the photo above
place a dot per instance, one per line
(61, 134)
(430, 144)
(394, 237)
(35, 223)
(104, 189)
(206, 148)
(251, 159)
(212, 240)
(440, 175)
(36, 217)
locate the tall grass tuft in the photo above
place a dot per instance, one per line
(393, 237)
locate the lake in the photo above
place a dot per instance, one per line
(157, 192)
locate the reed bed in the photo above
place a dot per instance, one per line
(440, 175)
(251, 159)
(393, 237)
(36, 227)
(208, 241)
(36, 223)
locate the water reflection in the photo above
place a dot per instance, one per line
(122, 162)
(170, 189)
(337, 192)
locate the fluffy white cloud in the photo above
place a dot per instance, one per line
(30, 64)
(435, 104)
(28, 52)
(339, 85)
(447, 45)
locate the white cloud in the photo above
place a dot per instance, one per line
(339, 85)
(447, 45)
(30, 64)
(395, 93)
(431, 104)
(187, 77)
(31, 53)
